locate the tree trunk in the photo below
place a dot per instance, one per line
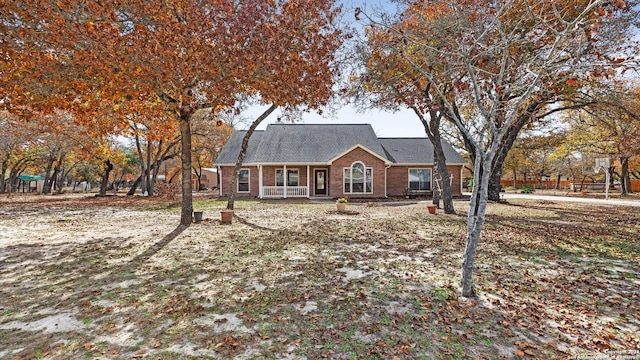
(46, 187)
(54, 178)
(143, 169)
(136, 183)
(436, 190)
(172, 177)
(432, 129)
(582, 182)
(242, 154)
(198, 176)
(187, 196)
(625, 179)
(3, 170)
(515, 180)
(475, 222)
(558, 182)
(154, 174)
(147, 174)
(105, 178)
(447, 197)
(495, 188)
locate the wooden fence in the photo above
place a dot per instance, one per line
(566, 185)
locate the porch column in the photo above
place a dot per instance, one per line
(308, 189)
(285, 176)
(260, 191)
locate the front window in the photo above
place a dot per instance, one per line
(358, 179)
(292, 177)
(420, 179)
(243, 180)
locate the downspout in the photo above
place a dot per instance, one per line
(220, 182)
(308, 189)
(386, 194)
(260, 191)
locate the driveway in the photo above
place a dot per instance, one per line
(615, 202)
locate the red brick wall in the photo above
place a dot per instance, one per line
(269, 175)
(336, 185)
(396, 176)
(398, 179)
(456, 184)
(227, 174)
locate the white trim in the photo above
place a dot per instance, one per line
(326, 181)
(430, 178)
(280, 164)
(363, 148)
(425, 164)
(285, 177)
(364, 185)
(248, 181)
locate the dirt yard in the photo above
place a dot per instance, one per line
(115, 278)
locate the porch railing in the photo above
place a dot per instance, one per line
(278, 191)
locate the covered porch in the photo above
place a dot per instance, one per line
(291, 181)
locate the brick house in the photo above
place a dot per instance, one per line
(332, 160)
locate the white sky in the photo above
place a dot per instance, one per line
(386, 124)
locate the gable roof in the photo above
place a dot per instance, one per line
(302, 144)
(230, 151)
(322, 143)
(410, 151)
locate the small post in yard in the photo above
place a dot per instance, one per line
(603, 163)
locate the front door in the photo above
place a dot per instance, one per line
(321, 182)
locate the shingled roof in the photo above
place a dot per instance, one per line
(322, 143)
(411, 151)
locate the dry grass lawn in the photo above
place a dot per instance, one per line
(84, 277)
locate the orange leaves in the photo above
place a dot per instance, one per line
(524, 349)
(228, 341)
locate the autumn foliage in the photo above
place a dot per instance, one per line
(115, 59)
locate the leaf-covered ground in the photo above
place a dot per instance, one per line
(84, 277)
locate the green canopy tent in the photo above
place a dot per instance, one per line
(27, 179)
